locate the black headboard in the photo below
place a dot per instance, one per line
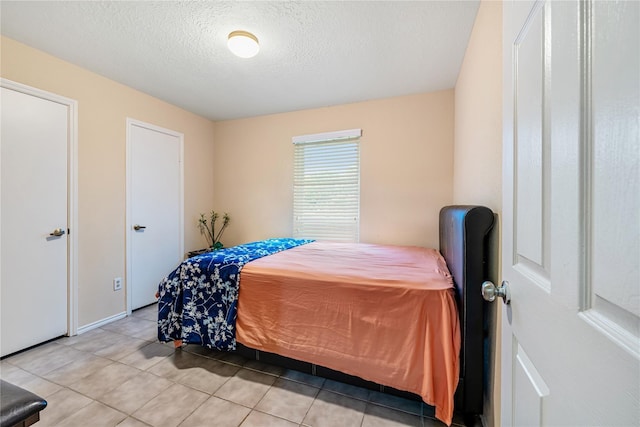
(463, 243)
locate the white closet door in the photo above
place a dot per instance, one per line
(33, 285)
(155, 201)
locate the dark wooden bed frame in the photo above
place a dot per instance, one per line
(463, 243)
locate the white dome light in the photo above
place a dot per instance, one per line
(243, 44)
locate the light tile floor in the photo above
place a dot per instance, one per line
(120, 375)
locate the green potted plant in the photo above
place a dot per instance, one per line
(207, 228)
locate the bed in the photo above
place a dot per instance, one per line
(403, 318)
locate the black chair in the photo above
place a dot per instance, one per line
(19, 407)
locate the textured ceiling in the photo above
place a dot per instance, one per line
(312, 54)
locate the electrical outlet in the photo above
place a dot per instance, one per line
(117, 283)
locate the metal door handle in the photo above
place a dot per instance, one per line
(490, 291)
(139, 227)
(57, 232)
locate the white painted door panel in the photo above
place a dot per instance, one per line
(156, 203)
(571, 214)
(33, 289)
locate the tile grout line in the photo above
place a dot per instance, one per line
(309, 408)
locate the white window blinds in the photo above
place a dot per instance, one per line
(326, 186)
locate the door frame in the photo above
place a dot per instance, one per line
(128, 223)
(72, 193)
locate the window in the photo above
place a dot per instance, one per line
(326, 186)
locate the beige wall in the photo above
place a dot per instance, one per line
(477, 177)
(406, 167)
(103, 106)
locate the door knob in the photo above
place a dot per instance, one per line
(490, 291)
(139, 227)
(57, 232)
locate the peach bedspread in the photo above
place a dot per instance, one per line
(383, 313)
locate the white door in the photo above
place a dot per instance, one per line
(571, 214)
(155, 208)
(33, 285)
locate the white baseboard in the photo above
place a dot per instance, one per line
(102, 322)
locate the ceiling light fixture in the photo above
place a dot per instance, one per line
(243, 44)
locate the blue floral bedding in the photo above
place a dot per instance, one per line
(198, 300)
